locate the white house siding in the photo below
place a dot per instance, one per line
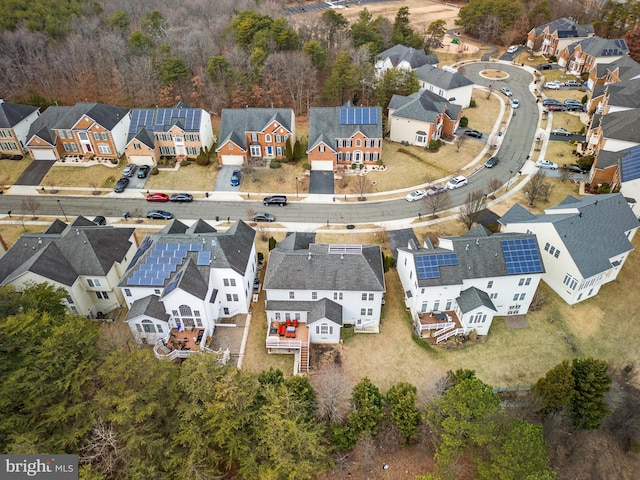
(241, 289)
(119, 133)
(405, 130)
(615, 145)
(478, 319)
(324, 331)
(207, 138)
(21, 130)
(178, 297)
(137, 326)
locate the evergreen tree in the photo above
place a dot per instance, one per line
(404, 411)
(592, 382)
(342, 81)
(402, 33)
(556, 389)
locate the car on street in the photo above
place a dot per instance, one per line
(129, 170)
(263, 217)
(546, 164)
(561, 131)
(556, 108)
(574, 168)
(235, 178)
(157, 197)
(181, 197)
(457, 182)
(473, 133)
(275, 200)
(492, 162)
(512, 49)
(143, 171)
(159, 215)
(416, 195)
(506, 91)
(436, 190)
(121, 185)
(555, 85)
(515, 103)
(573, 83)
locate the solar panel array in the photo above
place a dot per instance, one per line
(358, 116)
(204, 257)
(521, 256)
(161, 262)
(173, 283)
(144, 246)
(428, 266)
(350, 249)
(631, 165)
(160, 119)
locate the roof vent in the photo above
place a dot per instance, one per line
(39, 240)
(477, 241)
(309, 256)
(77, 232)
(467, 247)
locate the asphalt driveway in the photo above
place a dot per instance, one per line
(35, 172)
(321, 182)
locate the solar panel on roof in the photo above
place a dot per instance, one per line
(204, 258)
(173, 283)
(358, 116)
(521, 256)
(631, 165)
(428, 266)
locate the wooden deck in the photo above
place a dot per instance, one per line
(431, 325)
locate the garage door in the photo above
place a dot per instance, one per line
(232, 160)
(141, 159)
(323, 165)
(43, 154)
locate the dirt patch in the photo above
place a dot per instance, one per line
(516, 321)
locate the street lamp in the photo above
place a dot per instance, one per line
(509, 181)
(62, 210)
(296, 187)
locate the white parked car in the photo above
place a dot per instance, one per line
(457, 182)
(561, 131)
(436, 190)
(512, 49)
(555, 85)
(546, 164)
(416, 195)
(515, 103)
(506, 91)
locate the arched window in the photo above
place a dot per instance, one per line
(148, 327)
(187, 316)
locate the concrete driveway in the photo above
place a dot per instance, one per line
(223, 183)
(321, 182)
(35, 172)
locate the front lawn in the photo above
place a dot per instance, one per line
(10, 170)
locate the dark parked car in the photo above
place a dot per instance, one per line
(473, 133)
(544, 66)
(129, 170)
(121, 185)
(235, 178)
(574, 107)
(159, 215)
(143, 171)
(256, 284)
(492, 162)
(574, 168)
(181, 197)
(263, 217)
(100, 220)
(550, 101)
(275, 200)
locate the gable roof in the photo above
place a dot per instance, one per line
(626, 66)
(235, 122)
(325, 125)
(621, 125)
(12, 114)
(400, 53)
(424, 106)
(601, 47)
(153, 120)
(63, 256)
(593, 229)
(476, 254)
(150, 306)
(326, 267)
(43, 125)
(108, 116)
(625, 94)
(325, 308)
(566, 28)
(472, 298)
(442, 78)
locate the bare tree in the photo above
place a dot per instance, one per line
(333, 394)
(365, 451)
(435, 203)
(103, 448)
(31, 205)
(536, 186)
(138, 214)
(458, 141)
(493, 185)
(360, 186)
(469, 212)
(250, 213)
(564, 175)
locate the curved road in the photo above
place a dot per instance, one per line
(515, 147)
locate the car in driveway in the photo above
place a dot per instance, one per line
(159, 215)
(573, 83)
(121, 185)
(512, 49)
(181, 197)
(515, 103)
(275, 200)
(143, 171)
(552, 85)
(574, 107)
(574, 168)
(263, 217)
(416, 195)
(506, 91)
(544, 66)
(436, 190)
(457, 182)
(473, 133)
(561, 131)
(492, 162)
(129, 170)
(550, 101)
(157, 197)
(546, 164)
(235, 178)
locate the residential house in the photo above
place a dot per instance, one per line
(422, 117)
(15, 121)
(185, 280)
(254, 133)
(315, 290)
(549, 39)
(616, 97)
(83, 130)
(344, 136)
(461, 284)
(621, 70)
(447, 83)
(627, 176)
(586, 241)
(582, 56)
(403, 58)
(85, 259)
(180, 132)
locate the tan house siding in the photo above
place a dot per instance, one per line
(136, 148)
(9, 143)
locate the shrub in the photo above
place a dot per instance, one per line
(379, 162)
(472, 103)
(306, 166)
(260, 257)
(388, 263)
(202, 159)
(553, 59)
(155, 171)
(604, 188)
(272, 243)
(114, 161)
(354, 166)
(584, 100)
(361, 166)
(464, 122)
(275, 164)
(433, 145)
(186, 162)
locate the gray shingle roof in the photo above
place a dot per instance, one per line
(107, 116)
(625, 94)
(44, 124)
(12, 114)
(472, 298)
(62, 256)
(324, 126)
(566, 28)
(442, 78)
(424, 106)
(316, 268)
(235, 122)
(601, 47)
(400, 53)
(516, 214)
(479, 256)
(149, 306)
(622, 125)
(325, 308)
(593, 229)
(607, 159)
(144, 137)
(191, 280)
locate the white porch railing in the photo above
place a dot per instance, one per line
(435, 326)
(445, 329)
(457, 331)
(277, 343)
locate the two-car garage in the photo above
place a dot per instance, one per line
(43, 154)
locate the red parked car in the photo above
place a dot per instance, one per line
(158, 197)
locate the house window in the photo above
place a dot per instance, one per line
(226, 310)
(448, 305)
(421, 138)
(570, 282)
(267, 138)
(363, 311)
(364, 296)
(136, 146)
(225, 282)
(494, 296)
(230, 147)
(255, 151)
(557, 254)
(228, 297)
(515, 297)
(546, 247)
(424, 307)
(551, 250)
(96, 136)
(105, 149)
(371, 297)
(254, 137)
(297, 316)
(292, 295)
(369, 311)
(278, 316)
(278, 138)
(278, 151)
(235, 297)
(148, 327)
(232, 281)
(314, 295)
(321, 148)
(102, 295)
(337, 295)
(127, 292)
(358, 142)
(521, 282)
(104, 136)
(527, 281)
(157, 291)
(159, 327)
(490, 284)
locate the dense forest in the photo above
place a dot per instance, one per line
(68, 385)
(233, 53)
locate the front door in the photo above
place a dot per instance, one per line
(85, 142)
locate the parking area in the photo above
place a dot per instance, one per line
(223, 183)
(35, 172)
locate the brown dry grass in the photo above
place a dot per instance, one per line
(484, 116)
(11, 233)
(99, 175)
(189, 178)
(10, 170)
(570, 121)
